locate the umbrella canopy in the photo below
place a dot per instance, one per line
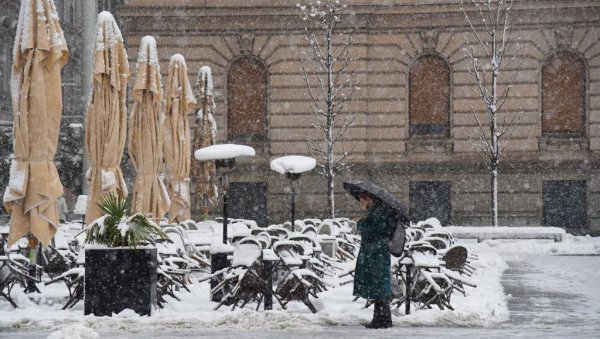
(357, 187)
(40, 52)
(107, 115)
(205, 135)
(146, 135)
(180, 102)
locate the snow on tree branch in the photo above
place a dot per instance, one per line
(492, 37)
(328, 63)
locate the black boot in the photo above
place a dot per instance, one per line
(382, 315)
(376, 312)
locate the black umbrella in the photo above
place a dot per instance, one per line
(356, 187)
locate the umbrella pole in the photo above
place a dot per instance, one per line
(32, 248)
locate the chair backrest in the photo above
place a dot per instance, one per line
(265, 239)
(456, 257)
(236, 238)
(423, 247)
(278, 232)
(191, 225)
(325, 228)
(306, 242)
(441, 234)
(438, 243)
(414, 234)
(206, 226)
(239, 228)
(247, 251)
(176, 237)
(310, 231)
(289, 251)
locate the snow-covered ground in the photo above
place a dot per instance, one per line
(538, 293)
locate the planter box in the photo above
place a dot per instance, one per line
(120, 278)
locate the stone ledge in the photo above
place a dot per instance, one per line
(506, 232)
(563, 143)
(429, 145)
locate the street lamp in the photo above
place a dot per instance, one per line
(224, 156)
(293, 166)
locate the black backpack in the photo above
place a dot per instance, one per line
(397, 238)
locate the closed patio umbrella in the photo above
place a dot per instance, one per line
(40, 52)
(146, 134)
(106, 123)
(205, 173)
(180, 102)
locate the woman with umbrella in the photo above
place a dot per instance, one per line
(372, 275)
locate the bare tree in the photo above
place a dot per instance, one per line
(331, 82)
(493, 41)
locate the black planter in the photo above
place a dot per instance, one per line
(120, 278)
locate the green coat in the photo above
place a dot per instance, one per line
(372, 274)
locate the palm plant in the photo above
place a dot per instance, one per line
(116, 228)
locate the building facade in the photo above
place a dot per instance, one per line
(413, 105)
(411, 61)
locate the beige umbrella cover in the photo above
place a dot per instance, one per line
(180, 102)
(107, 115)
(40, 52)
(205, 135)
(145, 134)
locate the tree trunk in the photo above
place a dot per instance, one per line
(330, 123)
(494, 197)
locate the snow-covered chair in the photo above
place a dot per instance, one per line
(243, 281)
(74, 280)
(14, 269)
(297, 283)
(429, 285)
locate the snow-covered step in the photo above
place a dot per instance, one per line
(506, 232)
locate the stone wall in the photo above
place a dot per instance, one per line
(389, 39)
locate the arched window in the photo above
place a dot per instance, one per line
(429, 96)
(247, 100)
(563, 95)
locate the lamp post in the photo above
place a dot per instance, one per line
(224, 166)
(293, 166)
(224, 156)
(294, 178)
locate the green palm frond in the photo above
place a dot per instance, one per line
(116, 228)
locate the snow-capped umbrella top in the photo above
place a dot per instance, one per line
(293, 164)
(205, 77)
(108, 33)
(148, 71)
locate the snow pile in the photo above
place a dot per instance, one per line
(293, 164)
(223, 151)
(571, 245)
(483, 306)
(74, 332)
